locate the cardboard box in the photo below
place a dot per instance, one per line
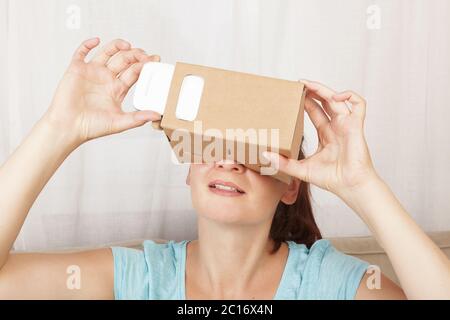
(227, 114)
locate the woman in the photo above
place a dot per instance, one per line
(258, 243)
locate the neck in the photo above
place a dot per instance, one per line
(231, 257)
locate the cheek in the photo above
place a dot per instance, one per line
(267, 190)
(197, 176)
(260, 202)
(198, 172)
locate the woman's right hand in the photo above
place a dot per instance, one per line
(89, 97)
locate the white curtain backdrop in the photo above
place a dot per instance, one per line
(395, 53)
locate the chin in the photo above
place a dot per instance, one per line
(228, 213)
(226, 218)
(239, 210)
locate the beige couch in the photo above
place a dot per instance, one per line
(365, 248)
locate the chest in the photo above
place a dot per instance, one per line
(264, 285)
(265, 291)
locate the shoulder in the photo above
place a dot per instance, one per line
(327, 273)
(149, 248)
(139, 273)
(163, 259)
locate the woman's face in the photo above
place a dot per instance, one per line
(229, 192)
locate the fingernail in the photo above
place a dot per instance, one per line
(268, 155)
(124, 45)
(272, 158)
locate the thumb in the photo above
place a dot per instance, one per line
(294, 168)
(135, 119)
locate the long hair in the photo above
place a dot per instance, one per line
(295, 222)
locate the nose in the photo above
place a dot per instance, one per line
(229, 165)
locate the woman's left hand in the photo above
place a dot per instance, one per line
(342, 161)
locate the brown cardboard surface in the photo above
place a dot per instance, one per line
(236, 100)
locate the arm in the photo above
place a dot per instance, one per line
(86, 106)
(343, 166)
(421, 267)
(42, 276)
(83, 275)
(388, 290)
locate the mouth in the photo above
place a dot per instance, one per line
(225, 188)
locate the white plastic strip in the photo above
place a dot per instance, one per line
(189, 99)
(152, 88)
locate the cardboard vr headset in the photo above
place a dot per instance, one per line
(211, 114)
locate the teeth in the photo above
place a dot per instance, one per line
(219, 186)
(222, 187)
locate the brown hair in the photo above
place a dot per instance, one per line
(295, 222)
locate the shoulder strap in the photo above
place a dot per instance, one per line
(164, 261)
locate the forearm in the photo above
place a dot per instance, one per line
(422, 268)
(24, 175)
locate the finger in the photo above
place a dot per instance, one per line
(294, 168)
(110, 50)
(321, 89)
(154, 58)
(130, 76)
(325, 105)
(322, 92)
(358, 103)
(316, 113)
(84, 49)
(123, 59)
(131, 120)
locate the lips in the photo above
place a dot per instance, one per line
(225, 188)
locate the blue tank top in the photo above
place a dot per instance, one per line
(158, 272)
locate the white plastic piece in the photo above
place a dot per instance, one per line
(189, 99)
(152, 88)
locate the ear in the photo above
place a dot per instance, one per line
(188, 177)
(290, 196)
